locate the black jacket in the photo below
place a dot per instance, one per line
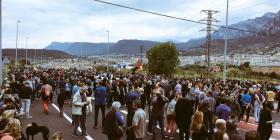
(184, 112)
(25, 92)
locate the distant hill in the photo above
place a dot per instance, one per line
(266, 24)
(255, 25)
(54, 54)
(132, 46)
(267, 41)
(125, 46)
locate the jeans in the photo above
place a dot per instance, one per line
(243, 110)
(79, 120)
(25, 106)
(158, 119)
(89, 106)
(257, 109)
(278, 107)
(96, 111)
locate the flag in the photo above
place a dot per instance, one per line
(138, 65)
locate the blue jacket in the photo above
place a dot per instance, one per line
(100, 95)
(246, 99)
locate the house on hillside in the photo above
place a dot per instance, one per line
(267, 68)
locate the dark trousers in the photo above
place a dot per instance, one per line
(130, 134)
(243, 110)
(194, 104)
(184, 131)
(96, 111)
(121, 98)
(112, 137)
(158, 119)
(150, 123)
(79, 120)
(265, 136)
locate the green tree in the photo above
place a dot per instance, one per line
(163, 58)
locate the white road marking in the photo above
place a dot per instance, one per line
(88, 137)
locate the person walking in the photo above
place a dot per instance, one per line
(246, 100)
(223, 110)
(25, 97)
(184, 112)
(198, 129)
(258, 104)
(89, 98)
(170, 117)
(157, 113)
(79, 104)
(47, 97)
(113, 121)
(100, 102)
(61, 96)
(265, 123)
(139, 121)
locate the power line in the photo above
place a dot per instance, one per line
(173, 17)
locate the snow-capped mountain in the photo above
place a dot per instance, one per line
(257, 25)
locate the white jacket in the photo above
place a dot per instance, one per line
(77, 104)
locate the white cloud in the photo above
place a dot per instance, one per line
(45, 21)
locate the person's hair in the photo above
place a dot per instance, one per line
(197, 121)
(13, 127)
(231, 126)
(252, 135)
(57, 136)
(218, 135)
(221, 125)
(137, 103)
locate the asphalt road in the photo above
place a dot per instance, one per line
(55, 123)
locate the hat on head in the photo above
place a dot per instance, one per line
(140, 90)
(84, 89)
(220, 121)
(116, 105)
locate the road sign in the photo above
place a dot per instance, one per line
(6, 60)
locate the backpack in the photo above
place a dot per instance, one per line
(171, 107)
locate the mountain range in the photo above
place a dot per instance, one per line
(267, 26)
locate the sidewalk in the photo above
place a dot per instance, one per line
(252, 126)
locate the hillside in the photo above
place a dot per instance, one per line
(266, 25)
(267, 41)
(31, 53)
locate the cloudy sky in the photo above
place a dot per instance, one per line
(45, 21)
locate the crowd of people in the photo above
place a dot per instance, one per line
(198, 108)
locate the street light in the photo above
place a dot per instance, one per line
(34, 61)
(1, 42)
(226, 45)
(26, 50)
(108, 52)
(17, 43)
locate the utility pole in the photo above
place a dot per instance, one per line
(1, 42)
(41, 56)
(17, 43)
(108, 47)
(225, 49)
(141, 53)
(209, 19)
(34, 61)
(26, 51)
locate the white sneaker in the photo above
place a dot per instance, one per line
(28, 117)
(151, 134)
